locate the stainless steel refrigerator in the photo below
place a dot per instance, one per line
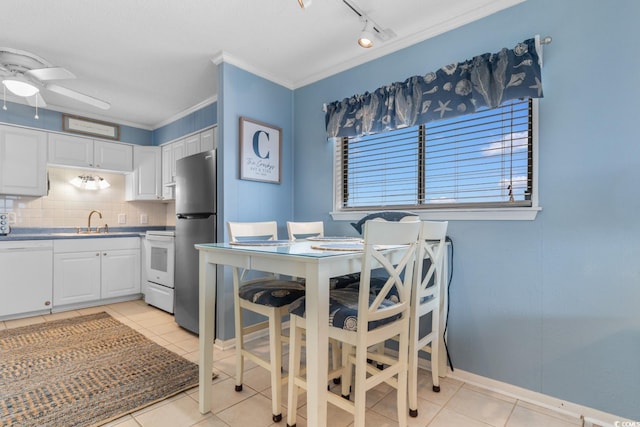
(195, 223)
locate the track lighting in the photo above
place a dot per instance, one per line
(366, 37)
(304, 3)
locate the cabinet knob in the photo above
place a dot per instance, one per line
(47, 303)
(98, 254)
(105, 254)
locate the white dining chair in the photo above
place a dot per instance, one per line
(361, 320)
(301, 230)
(265, 294)
(425, 299)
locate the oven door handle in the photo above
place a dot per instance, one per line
(167, 239)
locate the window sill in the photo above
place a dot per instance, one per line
(485, 214)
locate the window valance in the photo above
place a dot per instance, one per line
(486, 80)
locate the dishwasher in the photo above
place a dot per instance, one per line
(26, 287)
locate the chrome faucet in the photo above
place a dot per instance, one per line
(89, 220)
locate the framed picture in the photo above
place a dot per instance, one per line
(260, 150)
(90, 127)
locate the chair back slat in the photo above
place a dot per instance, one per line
(301, 230)
(397, 263)
(265, 229)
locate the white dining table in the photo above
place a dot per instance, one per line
(298, 259)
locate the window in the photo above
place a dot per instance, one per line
(480, 160)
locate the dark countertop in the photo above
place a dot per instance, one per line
(23, 233)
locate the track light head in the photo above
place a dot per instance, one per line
(366, 36)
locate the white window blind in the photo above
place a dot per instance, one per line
(483, 159)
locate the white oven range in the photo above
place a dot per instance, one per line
(159, 265)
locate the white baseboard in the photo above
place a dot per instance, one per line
(590, 416)
(231, 343)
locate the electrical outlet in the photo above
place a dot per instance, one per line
(11, 216)
(122, 218)
(144, 219)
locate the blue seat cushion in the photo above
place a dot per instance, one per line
(272, 293)
(375, 286)
(344, 281)
(343, 310)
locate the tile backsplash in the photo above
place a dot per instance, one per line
(68, 206)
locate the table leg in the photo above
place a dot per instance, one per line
(207, 278)
(317, 344)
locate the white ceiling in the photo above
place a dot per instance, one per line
(153, 60)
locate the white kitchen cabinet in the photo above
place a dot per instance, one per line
(173, 151)
(192, 145)
(76, 277)
(27, 277)
(168, 185)
(70, 150)
(145, 182)
(23, 161)
(113, 156)
(178, 151)
(89, 270)
(120, 273)
(208, 139)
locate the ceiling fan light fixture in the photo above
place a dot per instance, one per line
(20, 88)
(304, 3)
(366, 36)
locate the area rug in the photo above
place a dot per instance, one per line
(84, 371)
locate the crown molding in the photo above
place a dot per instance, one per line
(227, 58)
(186, 112)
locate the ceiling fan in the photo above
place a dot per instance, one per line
(27, 75)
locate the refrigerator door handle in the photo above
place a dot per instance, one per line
(195, 215)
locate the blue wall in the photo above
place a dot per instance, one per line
(200, 119)
(242, 94)
(49, 120)
(550, 305)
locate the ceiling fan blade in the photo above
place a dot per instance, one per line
(31, 100)
(52, 73)
(78, 96)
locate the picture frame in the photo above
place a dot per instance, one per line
(260, 151)
(90, 127)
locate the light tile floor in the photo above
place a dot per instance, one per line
(457, 404)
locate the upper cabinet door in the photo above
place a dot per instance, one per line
(208, 139)
(23, 161)
(70, 150)
(192, 145)
(113, 156)
(145, 183)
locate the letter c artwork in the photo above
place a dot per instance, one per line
(256, 144)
